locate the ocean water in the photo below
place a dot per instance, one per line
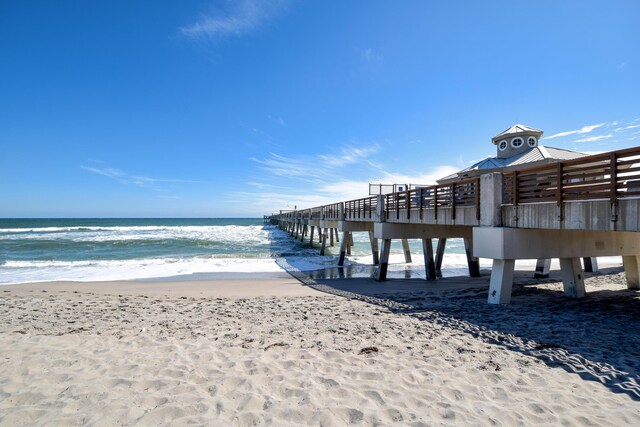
(33, 250)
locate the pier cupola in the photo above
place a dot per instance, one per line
(515, 140)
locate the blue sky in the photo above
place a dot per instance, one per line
(241, 108)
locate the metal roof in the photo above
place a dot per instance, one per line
(517, 129)
(534, 154)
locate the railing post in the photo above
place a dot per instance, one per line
(559, 198)
(515, 188)
(408, 204)
(341, 211)
(421, 203)
(515, 196)
(397, 197)
(613, 189)
(435, 203)
(453, 201)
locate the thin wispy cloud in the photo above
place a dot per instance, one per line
(234, 19)
(308, 181)
(349, 155)
(611, 135)
(583, 130)
(626, 128)
(594, 138)
(318, 167)
(282, 166)
(132, 179)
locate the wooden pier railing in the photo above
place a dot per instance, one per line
(416, 201)
(611, 176)
(608, 176)
(361, 209)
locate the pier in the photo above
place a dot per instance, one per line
(582, 208)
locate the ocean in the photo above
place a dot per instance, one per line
(36, 250)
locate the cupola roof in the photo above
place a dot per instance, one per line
(515, 130)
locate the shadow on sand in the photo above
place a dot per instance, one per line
(595, 337)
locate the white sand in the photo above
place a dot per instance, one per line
(240, 353)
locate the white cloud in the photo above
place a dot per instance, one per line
(138, 180)
(594, 138)
(583, 130)
(323, 179)
(627, 127)
(348, 155)
(239, 18)
(108, 172)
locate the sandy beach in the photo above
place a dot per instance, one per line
(322, 352)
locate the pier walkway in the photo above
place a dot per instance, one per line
(581, 208)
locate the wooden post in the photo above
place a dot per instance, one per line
(381, 274)
(311, 235)
(472, 262)
(337, 235)
(442, 243)
(324, 242)
(453, 201)
(374, 248)
(407, 251)
(429, 263)
(343, 248)
(349, 242)
(331, 237)
(559, 196)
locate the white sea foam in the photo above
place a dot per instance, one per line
(224, 234)
(89, 271)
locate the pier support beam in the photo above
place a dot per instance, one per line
(442, 243)
(543, 265)
(407, 251)
(572, 277)
(324, 242)
(311, 235)
(429, 263)
(381, 274)
(472, 262)
(632, 270)
(343, 247)
(501, 281)
(374, 248)
(331, 237)
(590, 264)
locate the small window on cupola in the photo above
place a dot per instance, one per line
(502, 145)
(517, 142)
(532, 141)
